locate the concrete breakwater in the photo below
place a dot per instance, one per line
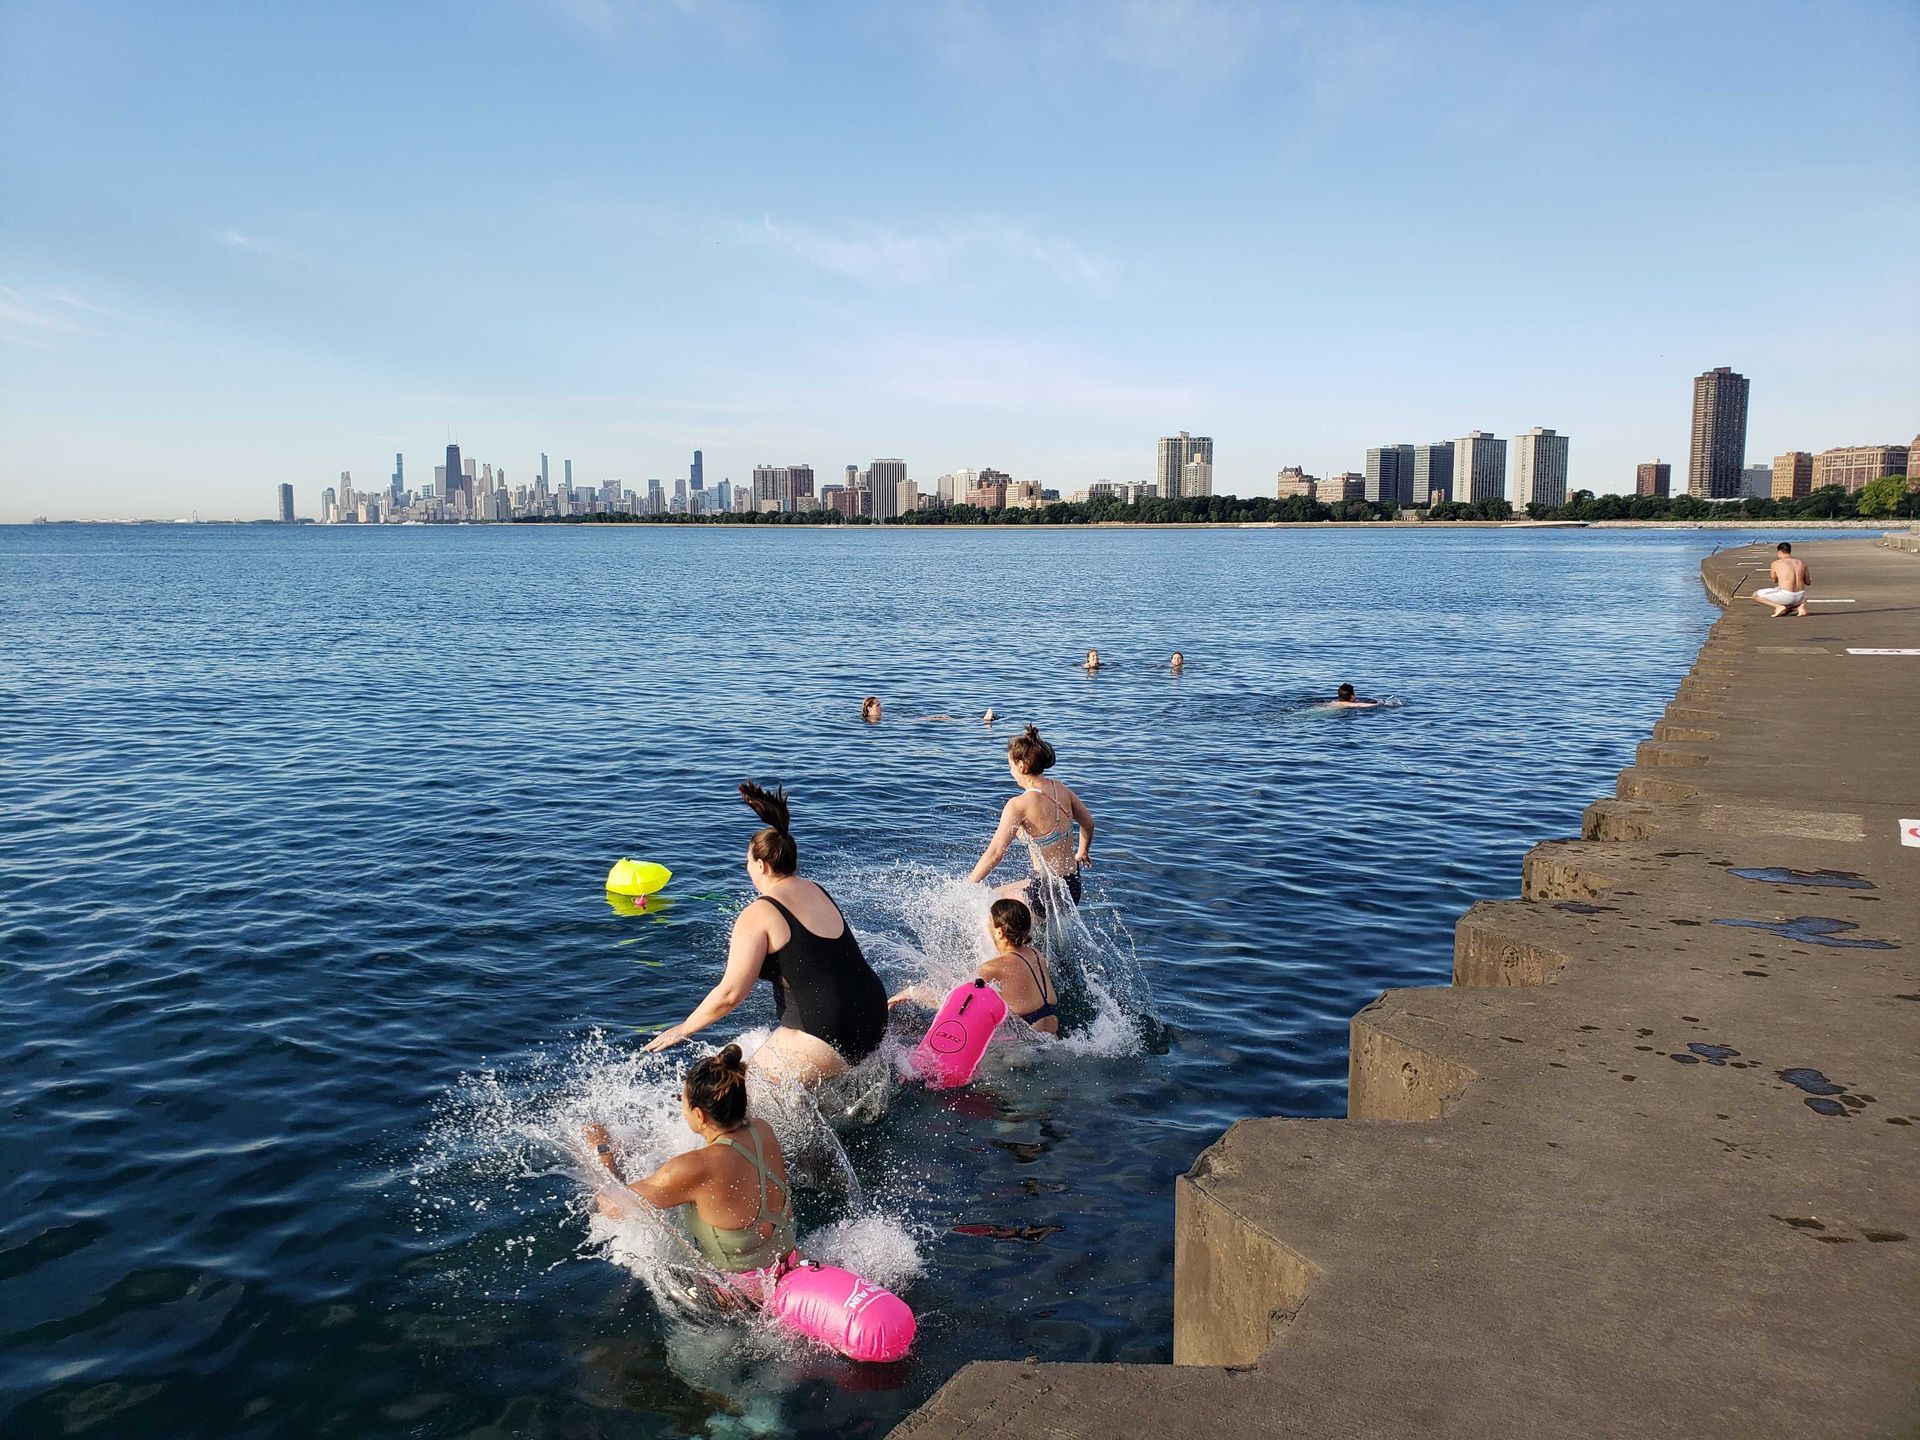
(1652, 1160)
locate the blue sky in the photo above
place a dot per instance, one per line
(246, 243)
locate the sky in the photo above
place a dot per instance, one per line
(246, 244)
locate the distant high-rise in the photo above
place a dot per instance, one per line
(799, 482)
(679, 496)
(1719, 435)
(566, 470)
(696, 477)
(329, 505)
(1853, 467)
(1756, 482)
(286, 504)
(1390, 475)
(1176, 453)
(1540, 468)
(543, 469)
(1792, 475)
(1433, 473)
(1479, 468)
(454, 474)
(883, 483)
(1196, 480)
(399, 479)
(1339, 489)
(1653, 478)
(1295, 482)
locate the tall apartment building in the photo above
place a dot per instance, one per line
(1196, 479)
(1756, 482)
(799, 483)
(1853, 467)
(286, 504)
(1653, 478)
(1176, 453)
(989, 490)
(1295, 481)
(1719, 450)
(883, 481)
(1390, 475)
(770, 490)
(1339, 489)
(1540, 468)
(1433, 473)
(1479, 468)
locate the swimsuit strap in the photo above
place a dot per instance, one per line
(1039, 978)
(798, 927)
(760, 1168)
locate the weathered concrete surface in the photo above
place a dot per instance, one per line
(1575, 1194)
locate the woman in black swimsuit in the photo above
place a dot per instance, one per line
(831, 1007)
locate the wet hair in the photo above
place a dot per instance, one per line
(773, 846)
(1029, 751)
(718, 1085)
(1345, 693)
(1012, 919)
(872, 702)
(1784, 548)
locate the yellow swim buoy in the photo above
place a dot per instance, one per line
(637, 877)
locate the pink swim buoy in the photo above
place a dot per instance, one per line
(949, 1052)
(843, 1312)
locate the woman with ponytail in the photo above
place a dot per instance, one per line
(1044, 814)
(740, 1207)
(830, 1006)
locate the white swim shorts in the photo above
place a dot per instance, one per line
(1776, 596)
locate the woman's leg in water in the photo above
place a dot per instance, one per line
(794, 1055)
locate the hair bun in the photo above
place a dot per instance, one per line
(1033, 732)
(730, 1057)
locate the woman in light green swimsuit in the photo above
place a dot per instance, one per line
(739, 1204)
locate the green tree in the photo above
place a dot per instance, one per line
(1884, 496)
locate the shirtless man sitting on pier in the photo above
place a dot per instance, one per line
(1791, 580)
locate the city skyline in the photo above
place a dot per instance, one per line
(212, 282)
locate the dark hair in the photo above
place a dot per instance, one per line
(1784, 546)
(1346, 692)
(1030, 752)
(1013, 919)
(773, 846)
(718, 1085)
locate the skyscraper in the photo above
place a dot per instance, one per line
(1390, 475)
(1719, 435)
(567, 471)
(1479, 468)
(1176, 451)
(286, 504)
(543, 469)
(799, 483)
(1540, 468)
(883, 481)
(1196, 479)
(1756, 481)
(1433, 473)
(455, 474)
(696, 477)
(1653, 478)
(399, 478)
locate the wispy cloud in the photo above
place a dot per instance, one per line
(240, 240)
(885, 259)
(41, 315)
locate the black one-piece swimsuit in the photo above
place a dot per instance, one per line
(829, 987)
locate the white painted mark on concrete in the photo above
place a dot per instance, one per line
(1910, 833)
(1833, 602)
(1852, 651)
(1794, 650)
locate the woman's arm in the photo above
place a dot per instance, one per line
(1084, 819)
(745, 951)
(921, 995)
(996, 850)
(677, 1182)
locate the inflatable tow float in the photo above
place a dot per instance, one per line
(637, 879)
(950, 1051)
(837, 1309)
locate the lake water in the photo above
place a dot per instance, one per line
(309, 973)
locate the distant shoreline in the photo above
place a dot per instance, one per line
(1441, 526)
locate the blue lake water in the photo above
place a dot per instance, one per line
(302, 836)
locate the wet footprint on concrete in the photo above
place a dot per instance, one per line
(1711, 1054)
(1828, 879)
(1824, 1097)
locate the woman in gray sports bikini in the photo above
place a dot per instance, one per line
(1044, 814)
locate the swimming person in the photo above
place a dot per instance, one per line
(1018, 971)
(738, 1204)
(1044, 814)
(1791, 579)
(830, 1007)
(870, 710)
(1345, 699)
(1092, 662)
(1177, 663)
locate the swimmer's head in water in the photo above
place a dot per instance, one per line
(717, 1089)
(772, 847)
(870, 709)
(1028, 754)
(1345, 693)
(1178, 660)
(1012, 921)
(1093, 659)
